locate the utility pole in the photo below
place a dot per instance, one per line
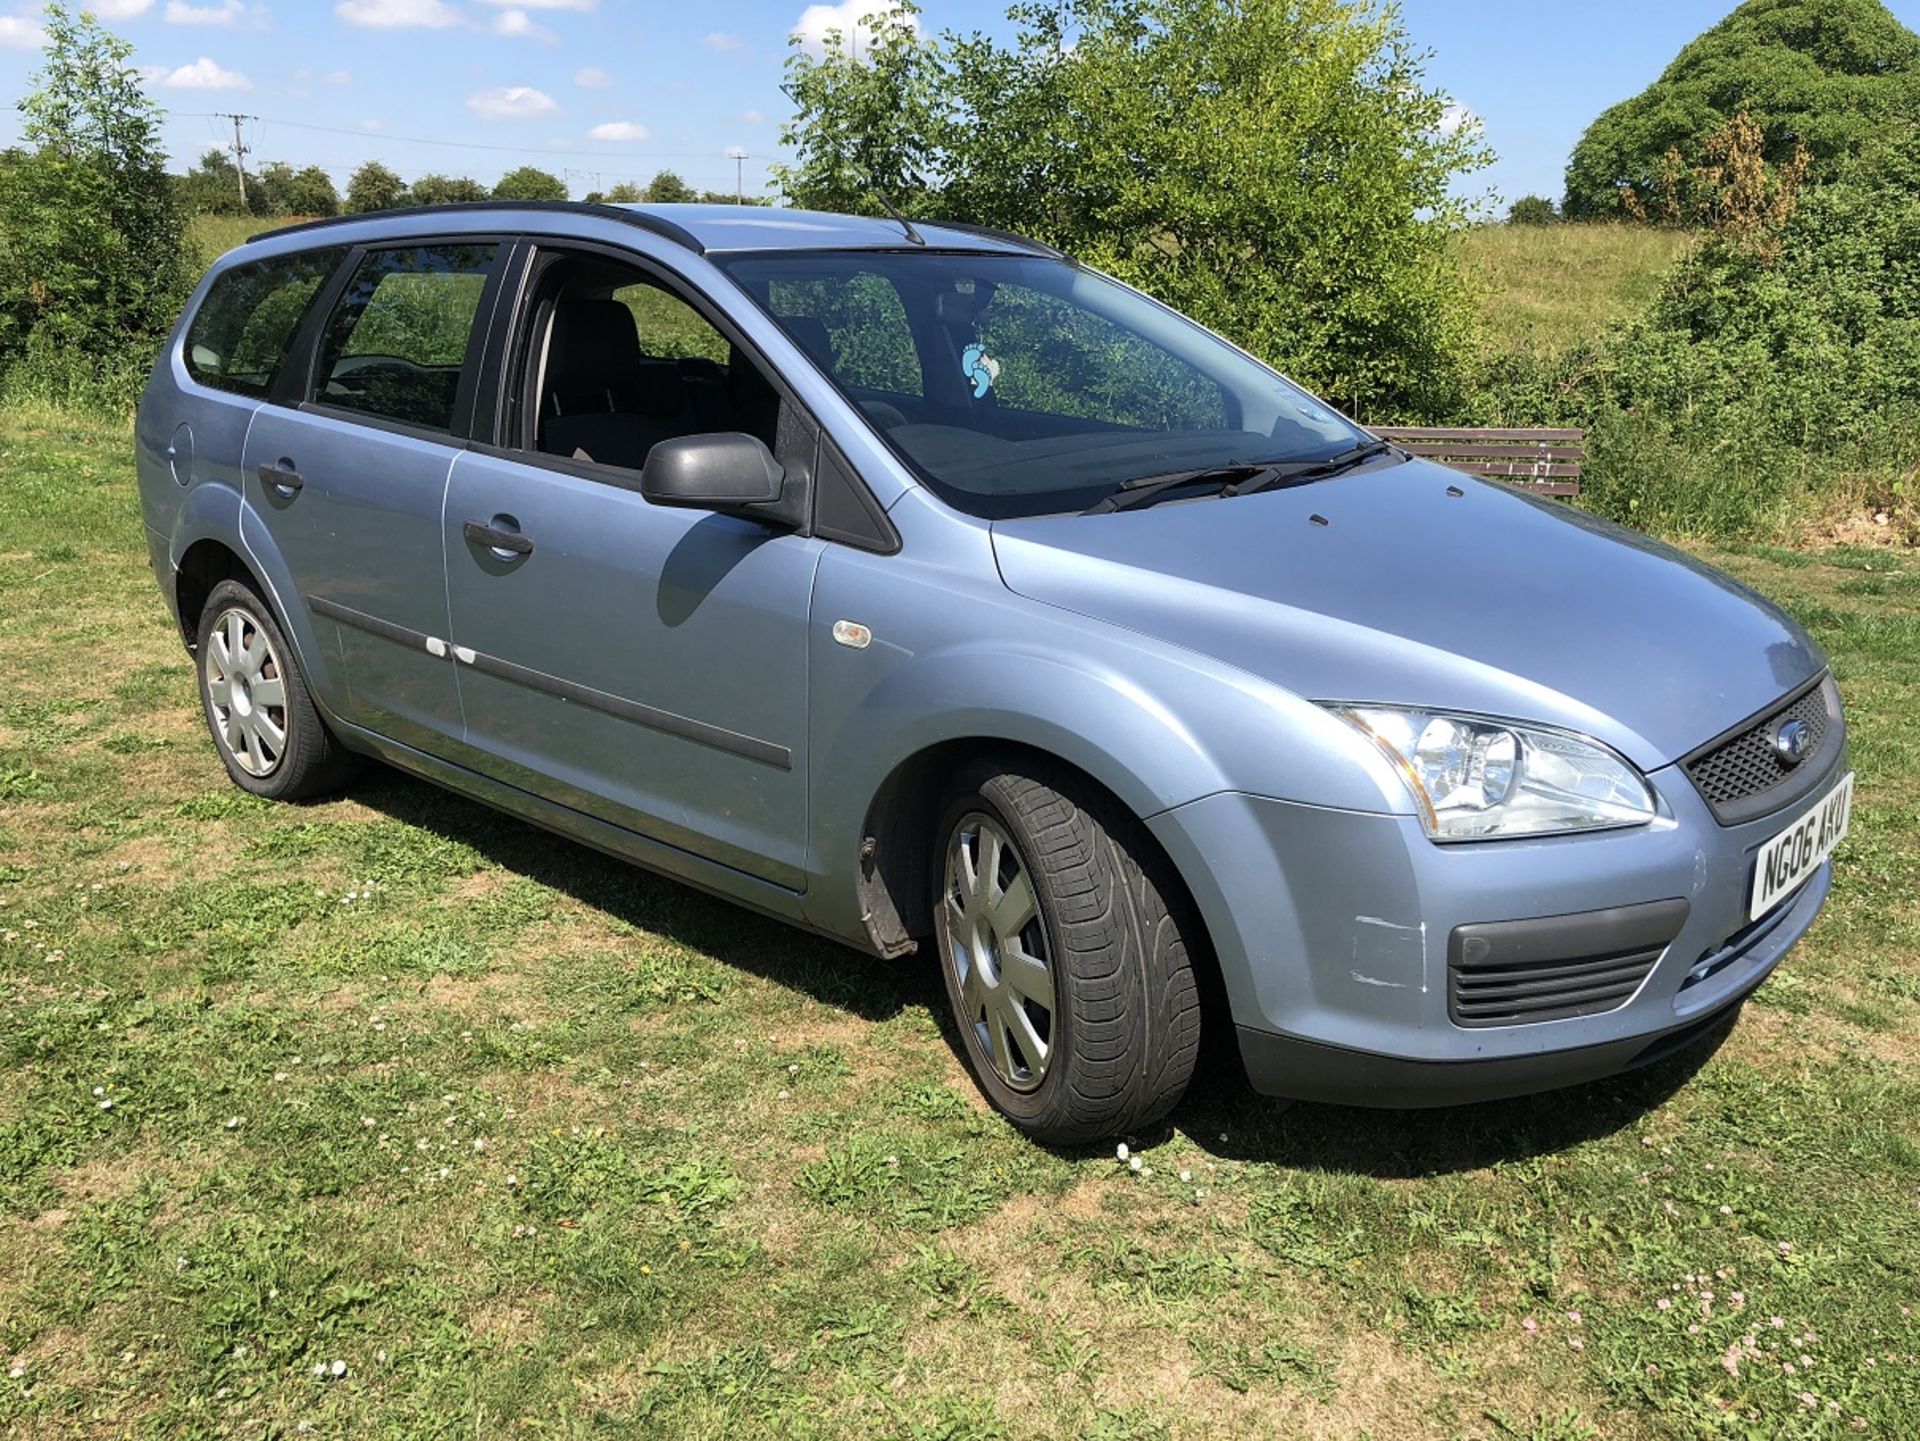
(239, 154)
(738, 155)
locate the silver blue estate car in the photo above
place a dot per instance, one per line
(910, 581)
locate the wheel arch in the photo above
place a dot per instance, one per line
(897, 847)
(203, 565)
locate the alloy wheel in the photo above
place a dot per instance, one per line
(997, 945)
(246, 692)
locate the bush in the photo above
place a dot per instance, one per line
(374, 187)
(1532, 210)
(94, 262)
(529, 183)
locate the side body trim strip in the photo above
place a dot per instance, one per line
(720, 738)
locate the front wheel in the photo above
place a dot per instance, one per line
(1063, 938)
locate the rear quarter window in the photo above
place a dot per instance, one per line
(240, 336)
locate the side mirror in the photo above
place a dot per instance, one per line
(727, 470)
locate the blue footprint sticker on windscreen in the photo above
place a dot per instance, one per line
(979, 367)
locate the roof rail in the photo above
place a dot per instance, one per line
(988, 232)
(641, 219)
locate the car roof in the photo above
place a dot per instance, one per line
(718, 229)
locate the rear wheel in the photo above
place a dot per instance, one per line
(263, 720)
(1063, 939)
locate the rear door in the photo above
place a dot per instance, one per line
(350, 481)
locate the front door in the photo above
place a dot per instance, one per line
(351, 484)
(644, 665)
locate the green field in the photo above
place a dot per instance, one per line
(522, 1141)
(1546, 287)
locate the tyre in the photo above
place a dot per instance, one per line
(256, 702)
(1064, 944)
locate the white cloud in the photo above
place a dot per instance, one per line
(722, 41)
(181, 13)
(512, 102)
(754, 117)
(398, 14)
(204, 74)
(373, 127)
(592, 78)
(518, 25)
(619, 130)
(1456, 118)
(20, 34)
(119, 9)
(849, 17)
(546, 4)
(337, 77)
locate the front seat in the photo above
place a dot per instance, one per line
(603, 400)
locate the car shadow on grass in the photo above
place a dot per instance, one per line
(833, 974)
(1227, 1119)
(1221, 1113)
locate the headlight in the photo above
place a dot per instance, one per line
(1476, 777)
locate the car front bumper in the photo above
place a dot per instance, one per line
(1333, 930)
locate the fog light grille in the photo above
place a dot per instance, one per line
(1511, 973)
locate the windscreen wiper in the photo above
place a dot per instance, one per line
(1146, 489)
(1333, 465)
(1237, 477)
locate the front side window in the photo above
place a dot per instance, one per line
(395, 343)
(239, 338)
(1020, 385)
(614, 361)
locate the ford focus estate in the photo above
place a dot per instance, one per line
(920, 586)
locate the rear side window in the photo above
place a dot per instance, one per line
(240, 336)
(397, 339)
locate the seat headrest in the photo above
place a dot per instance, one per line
(593, 351)
(811, 336)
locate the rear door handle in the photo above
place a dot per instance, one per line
(480, 533)
(282, 477)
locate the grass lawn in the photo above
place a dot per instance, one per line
(1547, 287)
(392, 1117)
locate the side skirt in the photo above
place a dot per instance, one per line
(742, 889)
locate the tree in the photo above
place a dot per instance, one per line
(93, 257)
(869, 124)
(210, 188)
(1276, 168)
(667, 188)
(374, 187)
(529, 183)
(445, 190)
(1532, 210)
(1829, 75)
(625, 193)
(310, 191)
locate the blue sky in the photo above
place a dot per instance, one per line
(605, 90)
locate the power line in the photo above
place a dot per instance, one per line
(365, 135)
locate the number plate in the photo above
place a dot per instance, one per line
(1793, 855)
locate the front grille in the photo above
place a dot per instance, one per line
(1741, 775)
(1511, 973)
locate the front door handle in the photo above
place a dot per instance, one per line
(282, 478)
(493, 538)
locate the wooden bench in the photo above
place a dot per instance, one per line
(1546, 462)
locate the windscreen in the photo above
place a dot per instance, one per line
(1021, 385)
